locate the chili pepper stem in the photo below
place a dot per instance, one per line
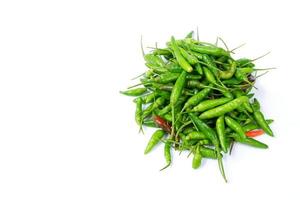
(141, 129)
(191, 151)
(231, 148)
(259, 57)
(135, 85)
(263, 69)
(221, 167)
(138, 76)
(232, 50)
(222, 85)
(224, 43)
(255, 59)
(184, 125)
(173, 122)
(261, 74)
(165, 167)
(217, 41)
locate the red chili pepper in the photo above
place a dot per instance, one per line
(254, 133)
(162, 124)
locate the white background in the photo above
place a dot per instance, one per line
(67, 133)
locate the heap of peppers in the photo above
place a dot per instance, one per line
(199, 99)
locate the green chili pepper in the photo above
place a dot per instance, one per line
(208, 153)
(176, 92)
(153, 106)
(149, 98)
(178, 87)
(170, 88)
(230, 72)
(154, 140)
(209, 76)
(168, 108)
(241, 73)
(205, 142)
(197, 159)
(198, 55)
(201, 126)
(260, 120)
(235, 126)
(250, 95)
(149, 123)
(210, 64)
(134, 92)
(167, 154)
(227, 94)
(245, 62)
(193, 77)
(250, 141)
(165, 110)
(252, 126)
(197, 98)
(167, 117)
(153, 61)
(220, 127)
(209, 104)
(166, 77)
(162, 52)
(189, 57)
(173, 67)
(195, 135)
(246, 104)
(209, 50)
(170, 77)
(139, 111)
(199, 68)
(256, 105)
(232, 81)
(223, 109)
(180, 59)
(195, 84)
(188, 130)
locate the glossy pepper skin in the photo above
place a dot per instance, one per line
(254, 133)
(176, 93)
(178, 88)
(223, 109)
(201, 126)
(167, 154)
(208, 153)
(197, 159)
(230, 72)
(250, 142)
(155, 138)
(134, 92)
(197, 98)
(209, 104)
(260, 120)
(235, 126)
(220, 127)
(180, 59)
(139, 111)
(208, 50)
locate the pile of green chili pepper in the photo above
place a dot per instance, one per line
(199, 97)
